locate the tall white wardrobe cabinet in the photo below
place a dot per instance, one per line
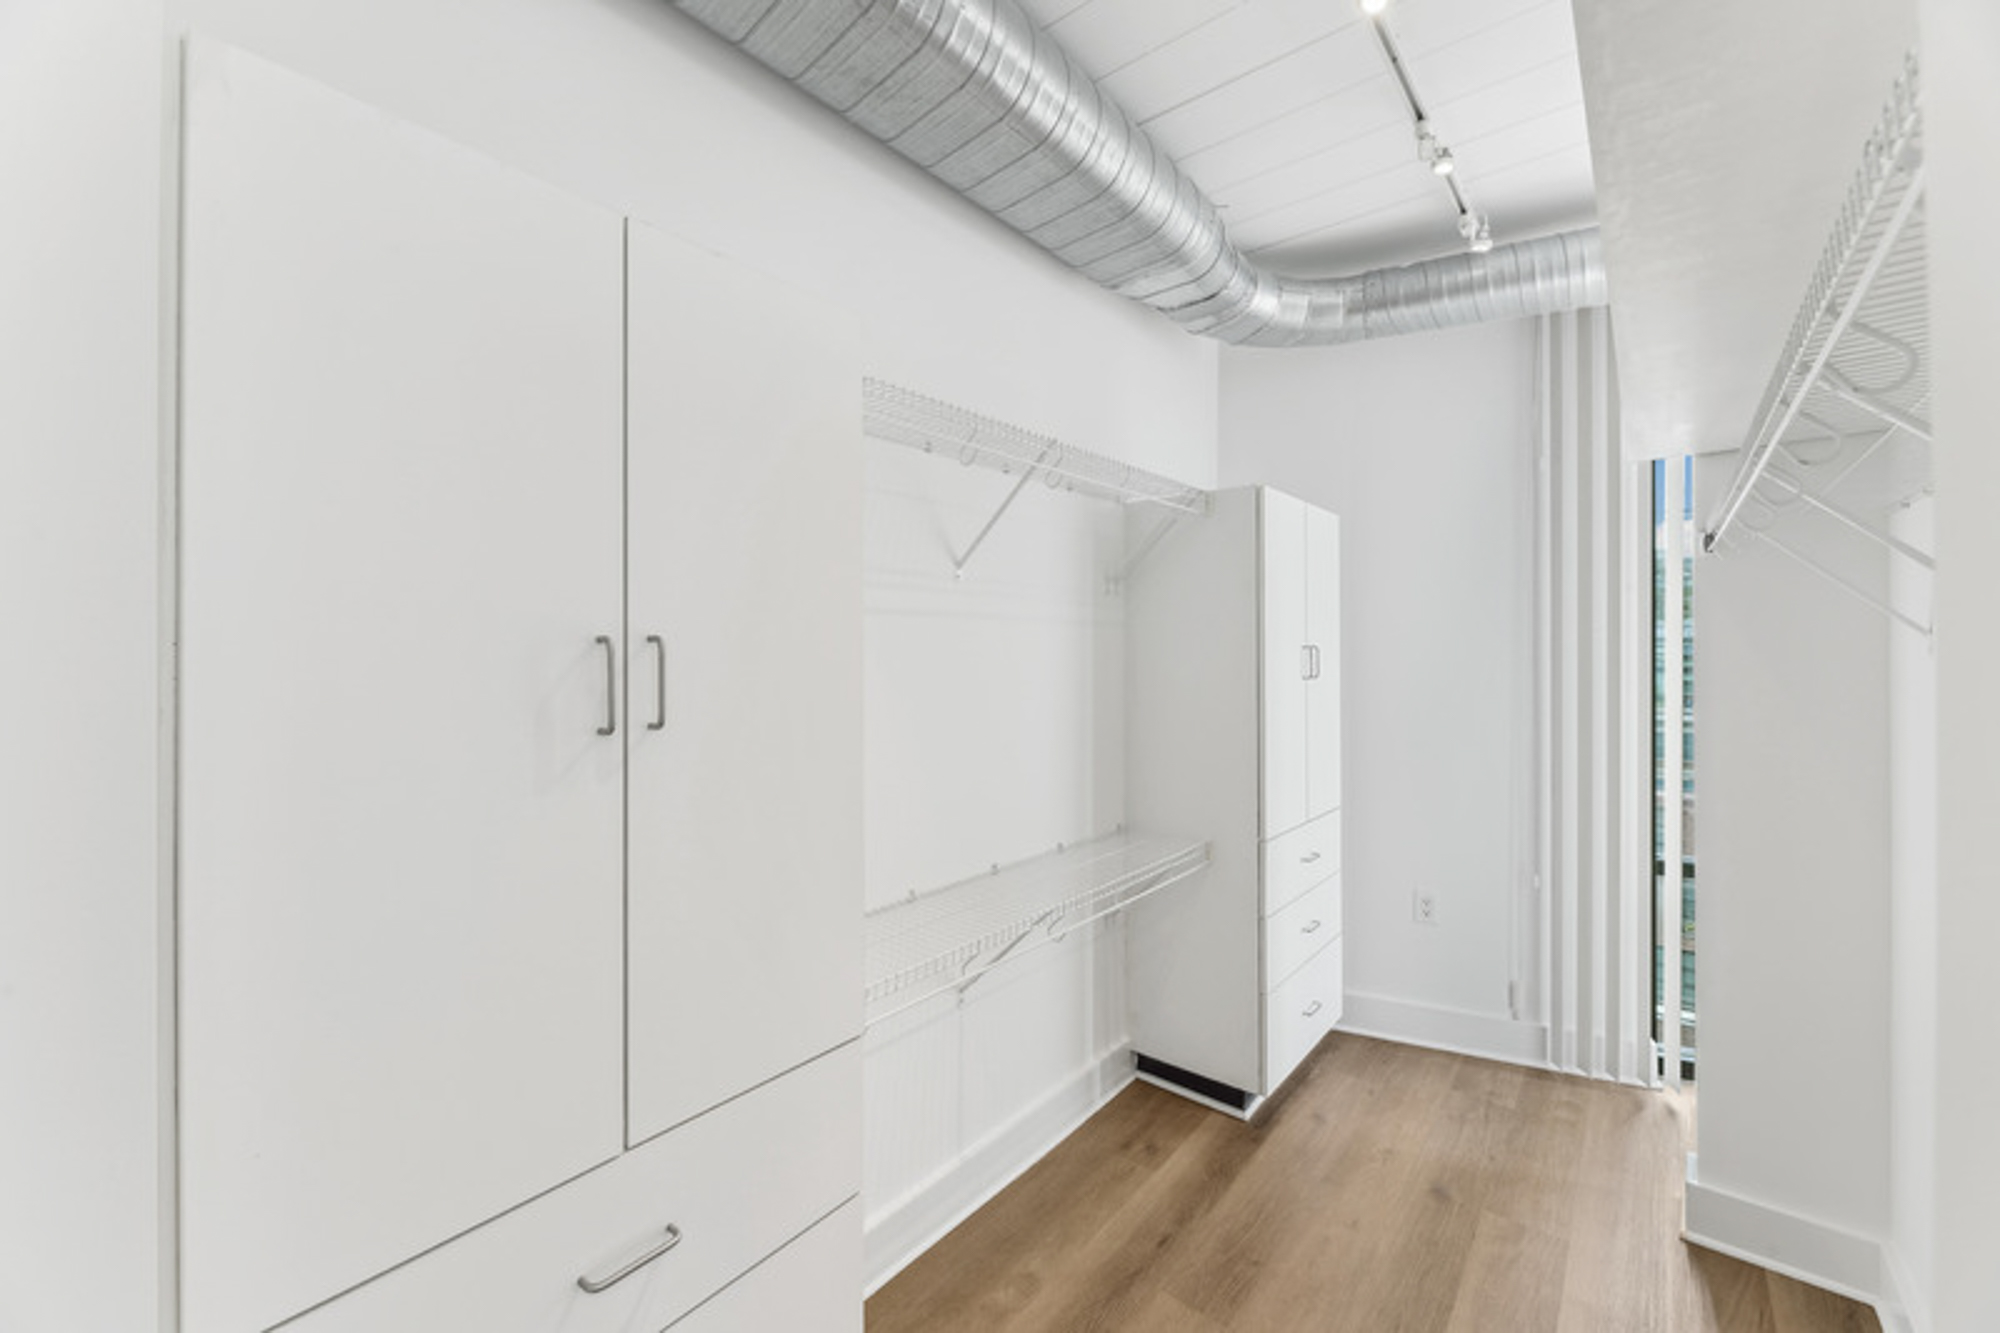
(1233, 699)
(519, 750)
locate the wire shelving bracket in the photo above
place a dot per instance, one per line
(948, 938)
(901, 416)
(1855, 371)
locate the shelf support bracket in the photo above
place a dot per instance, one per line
(1145, 548)
(1837, 385)
(1851, 521)
(959, 562)
(1859, 594)
(971, 976)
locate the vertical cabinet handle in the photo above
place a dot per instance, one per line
(1305, 661)
(610, 727)
(593, 1285)
(659, 722)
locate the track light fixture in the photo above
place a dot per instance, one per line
(1477, 231)
(1472, 224)
(1432, 153)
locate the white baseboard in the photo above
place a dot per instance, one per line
(918, 1221)
(1799, 1247)
(1901, 1307)
(1487, 1036)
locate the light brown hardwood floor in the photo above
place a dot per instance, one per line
(1385, 1190)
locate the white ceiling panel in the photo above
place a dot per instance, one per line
(1375, 239)
(1298, 226)
(1315, 127)
(1239, 43)
(1370, 164)
(1286, 114)
(1553, 86)
(1486, 156)
(1300, 96)
(1108, 35)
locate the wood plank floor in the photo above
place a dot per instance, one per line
(1386, 1190)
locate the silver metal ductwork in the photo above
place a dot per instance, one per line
(975, 94)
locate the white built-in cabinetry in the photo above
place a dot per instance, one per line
(519, 749)
(1233, 679)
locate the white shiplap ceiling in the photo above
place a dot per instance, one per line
(1285, 112)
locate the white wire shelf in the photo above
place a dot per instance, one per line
(1843, 430)
(903, 417)
(947, 938)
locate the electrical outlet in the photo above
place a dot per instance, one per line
(1424, 907)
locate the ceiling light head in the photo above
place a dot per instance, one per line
(1432, 153)
(1373, 7)
(1427, 144)
(1477, 231)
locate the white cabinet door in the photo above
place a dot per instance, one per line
(1286, 661)
(744, 517)
(1322, 588)
(399, 827)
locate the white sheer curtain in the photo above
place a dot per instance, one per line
(1590, 931)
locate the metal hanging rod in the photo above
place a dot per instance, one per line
(901, 416)
(945, 940)
(1859, 346)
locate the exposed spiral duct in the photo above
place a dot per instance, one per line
(977, 95)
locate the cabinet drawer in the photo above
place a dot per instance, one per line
(813, 1285)
(1295, 861)
(736, 1183)
(1301, 929)
(1300, 1012)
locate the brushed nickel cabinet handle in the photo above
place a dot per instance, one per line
(1309, 927)
(1308, 858)
(659, 722)
(1312, 1009)
(593, 1285)
(610, 727)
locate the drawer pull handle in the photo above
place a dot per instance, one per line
(1309, 858)
(1312, 1009)
(593, 1285)
(659, 722)
(610, 727)
(1309, 927)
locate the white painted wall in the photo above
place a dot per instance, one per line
(1913, 941)
(1961, 40)
(1792, 794)
(82, 1189)
(1425, 447)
